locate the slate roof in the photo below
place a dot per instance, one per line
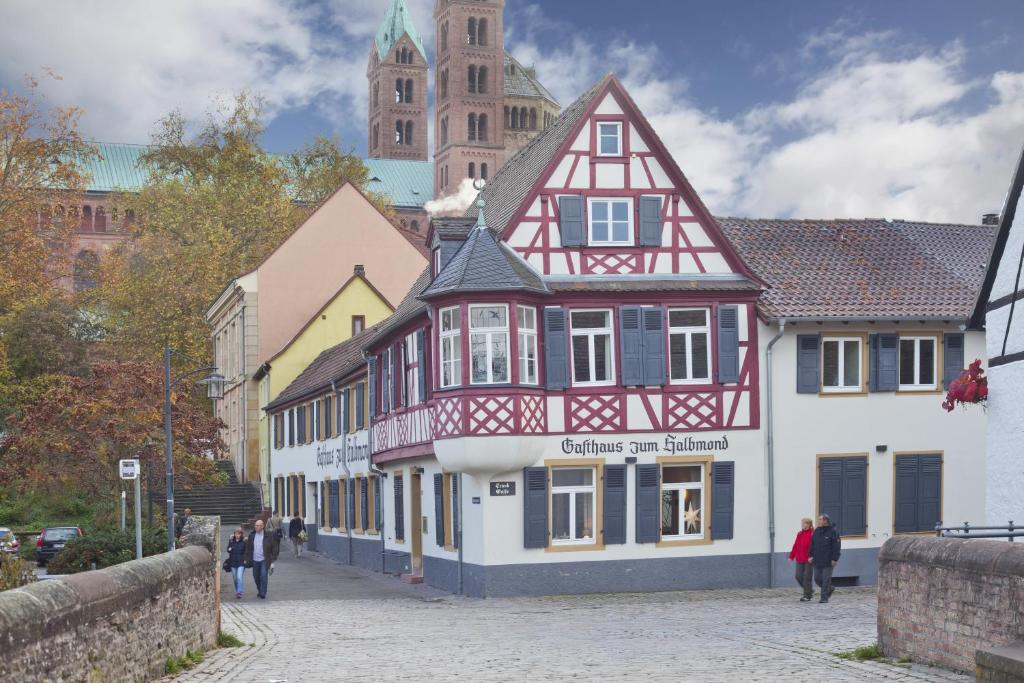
(410, 307)
(453, 228)
(397, 21)
(332, 364)
(483, 264)
(519, 82)
(516, 178)
(869, 268)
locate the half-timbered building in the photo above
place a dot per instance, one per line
(597, 385)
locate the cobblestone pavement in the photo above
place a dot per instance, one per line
(405, 633)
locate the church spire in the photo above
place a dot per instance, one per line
(397, 22)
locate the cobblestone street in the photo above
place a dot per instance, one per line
(317, 626)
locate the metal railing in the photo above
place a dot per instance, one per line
(1008, 532)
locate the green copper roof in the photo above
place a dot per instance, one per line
(396, 22)
(407, 183)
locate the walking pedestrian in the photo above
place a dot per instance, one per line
(297, 535)
(261, 550)
(800, 554)
(824, 555)
(236, 559)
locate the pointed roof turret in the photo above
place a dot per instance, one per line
(397, 22)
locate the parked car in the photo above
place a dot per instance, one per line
(51, 541)
(8, 541)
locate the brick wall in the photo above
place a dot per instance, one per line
(940, 600)
(114, 624)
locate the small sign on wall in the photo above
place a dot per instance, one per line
(503, 488)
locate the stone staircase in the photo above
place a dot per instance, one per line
(237, 504)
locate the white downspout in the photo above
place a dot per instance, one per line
(770, 451)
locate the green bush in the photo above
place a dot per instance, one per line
(104, 548)
(15, 572)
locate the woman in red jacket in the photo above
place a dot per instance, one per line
(804, 569)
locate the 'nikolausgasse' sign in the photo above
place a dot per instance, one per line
(671, 444)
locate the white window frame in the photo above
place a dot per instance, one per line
(527, 341)
(840, 373)
(592, 332)
(618, 126)
(437, 261)
(681, 487)
(412, 378)
(572, 492)
(490, 334)
(628, 201)
(450, 338)
(688, 332)
(917, 339)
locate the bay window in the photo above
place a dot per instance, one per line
(572, 505)
(526, 319)
(451, 347)
(841, 364)
(682, 502)
(592, 360)
(917, 363)
(488, 344)
(689, 334)
(611, 221)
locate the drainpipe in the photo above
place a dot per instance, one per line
(383, 548)
(348, 476)
(458, 532)
(770, 437)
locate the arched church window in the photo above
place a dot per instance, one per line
(472, 170)
(376, 95)
(408, 132)
(444, 84)
(481, 80)
(398, 91)
(523, 121)
(471, 78)
(471, 31)
(515, 118)
(86, 223)
(415, 226)
(408, 90)
(481, 32)
(444, 131)
(482, 128)
(533, 119)
(508, 118)
(100, 223)
(399, 132)
(471, 126)
(483, 171)
(444, 36)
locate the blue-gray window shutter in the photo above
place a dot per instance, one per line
(872, 362)
(614, 504)
(439, 509)
(377, 504)
(333, 507)
(830, 488)
(728, 344)
(655, 368)
(328, 410)
(371, 381)
(855, 497)
(360, 423)
(648, 502)
(341, 410)
(350, 504)
(556, 348)
(535, 507)
(347, 394)
(364, 504)
(888, 370)
(401, 391)
(455, 510)
(929, 491)
(650, 221)
(385, 382)
(723, 499)
(421, 364)
(631, 350)
(400, 508)
(906, 493)
(570, 217)
(291, 427)
(952, 357)
(807, 373)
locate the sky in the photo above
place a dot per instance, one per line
(785, 108)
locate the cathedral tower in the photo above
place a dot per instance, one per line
(469, 90)
(397, 80)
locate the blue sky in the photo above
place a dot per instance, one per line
(911, 109)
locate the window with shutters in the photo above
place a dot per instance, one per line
(451, 346)
(526, 320)
(917, 363)
(573, 505)
(609, 139)
(682, 502)
(689, 335)
(592, 357)
(488, 344)
(611, 222)
(841, 365)
(918, 492)
(412, 370)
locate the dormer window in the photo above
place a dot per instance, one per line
(609, 139)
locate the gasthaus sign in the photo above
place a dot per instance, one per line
(671, 444)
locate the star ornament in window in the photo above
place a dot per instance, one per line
(691, 519)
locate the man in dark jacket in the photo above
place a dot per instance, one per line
(261, 550)
(824, 554)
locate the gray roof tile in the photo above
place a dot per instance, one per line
(520, 83)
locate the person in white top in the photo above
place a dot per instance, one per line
(261, 550)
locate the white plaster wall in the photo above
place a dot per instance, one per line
(426, 492)
(995, 323)
(1006, 274)
(808, 425)
(1005, 445)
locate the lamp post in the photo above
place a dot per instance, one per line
(215, 390)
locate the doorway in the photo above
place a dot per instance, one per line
(415, 522)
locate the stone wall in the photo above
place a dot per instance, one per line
(940, 600)
(115, 624)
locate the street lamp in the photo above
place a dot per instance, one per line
(214, 390)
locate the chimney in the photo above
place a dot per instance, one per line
(359, 270)
(990, 219)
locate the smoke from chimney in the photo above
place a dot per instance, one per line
(454, 204)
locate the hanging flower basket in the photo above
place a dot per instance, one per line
(970, 388)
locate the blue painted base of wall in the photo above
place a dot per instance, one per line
(397, 562)
(857, 566)
(365, 551)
